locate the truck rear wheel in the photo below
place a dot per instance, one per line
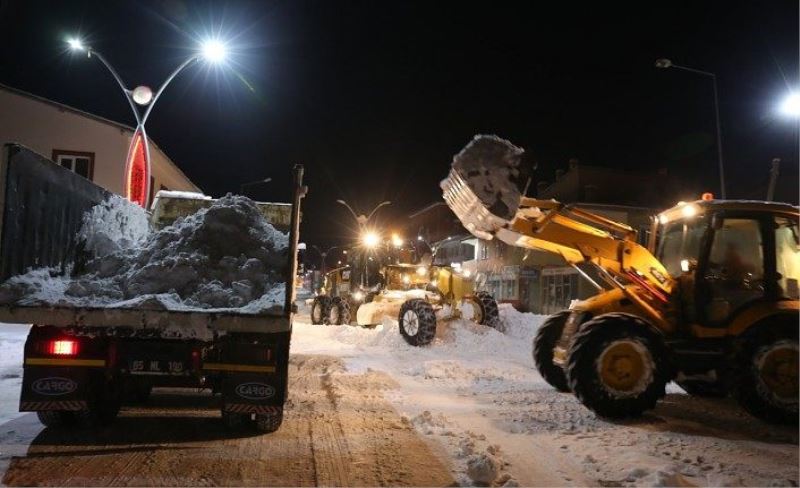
(56, 418)
(339, 311)
(417, 322)
(543, 345)
(766, 375)
(617, 366)
(267, 423)
(319, 309)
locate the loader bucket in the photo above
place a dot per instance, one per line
(485, 184)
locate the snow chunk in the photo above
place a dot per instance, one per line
(226, 257)
(483, 469)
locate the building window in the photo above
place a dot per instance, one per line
(510, 292)
(484, 250)
(78, 162)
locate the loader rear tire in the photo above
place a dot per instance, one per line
(543, 345)
(319, 309)
(617, 365)
(339, 311)
(417, 322)
(766, 383)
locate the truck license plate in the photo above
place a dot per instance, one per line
(158, 367)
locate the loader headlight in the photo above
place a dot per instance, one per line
(689, 210)
(358, 296)
(422, 271)
(467, 274)
(406, 279)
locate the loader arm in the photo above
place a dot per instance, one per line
(502, 212)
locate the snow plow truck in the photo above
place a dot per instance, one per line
(711, 302)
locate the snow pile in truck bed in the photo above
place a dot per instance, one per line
(224, 257)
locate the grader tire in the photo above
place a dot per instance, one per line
(490, 312)
(766, 383)
(417, 322)
(339, 311)
(319, 309)
(543, 345)
(617, 366)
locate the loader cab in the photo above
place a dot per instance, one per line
(729, 257)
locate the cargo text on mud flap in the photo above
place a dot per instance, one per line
(54, 386)
(255, 391)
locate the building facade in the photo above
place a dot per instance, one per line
(94, 147)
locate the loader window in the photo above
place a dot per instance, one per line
(787, 255)
(680, 240)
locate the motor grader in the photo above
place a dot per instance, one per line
(405, 286)
(711, 302)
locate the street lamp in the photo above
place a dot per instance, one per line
(253, 183)
(363, 219)
(790, 106)
(664, 63)
(137, 165)
(323, 255)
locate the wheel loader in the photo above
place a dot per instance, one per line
(711, 302)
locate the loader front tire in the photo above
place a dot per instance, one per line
(766, 382)
(543, 345)
(417, 322)
(319, 309)
(490, 312)
(617, 365)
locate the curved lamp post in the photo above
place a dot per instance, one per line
(664, 63)
(363, 219)
(137, 166)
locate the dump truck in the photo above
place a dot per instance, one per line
(82, 363)
(711, 302)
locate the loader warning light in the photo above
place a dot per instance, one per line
(707, 196)
(63, 348)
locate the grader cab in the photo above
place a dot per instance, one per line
(711, 302)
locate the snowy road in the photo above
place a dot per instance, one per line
(367, 409)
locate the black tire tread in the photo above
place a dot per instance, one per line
(324, 302)
(543, 344)
(427, 322)
(491, 312)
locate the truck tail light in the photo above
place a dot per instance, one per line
(62, 348)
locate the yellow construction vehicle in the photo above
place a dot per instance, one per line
(711, 302)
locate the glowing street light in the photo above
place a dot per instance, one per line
(790, 106)
(370, 239)
(397, 241)
(137, 163)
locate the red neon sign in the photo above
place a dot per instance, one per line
(137, 171)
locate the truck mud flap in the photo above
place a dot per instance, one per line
(253, 393)
(46, 388)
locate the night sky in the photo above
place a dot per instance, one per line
(374, 97)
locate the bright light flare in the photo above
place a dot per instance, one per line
(75, 44)
(422, 271)
(790, 106)
(397, 241)
(689, 211)
(214, 50)
(370, 239)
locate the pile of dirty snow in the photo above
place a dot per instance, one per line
(226, 256)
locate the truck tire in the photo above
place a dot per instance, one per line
(765, 382)
(267, 423)
(319, 309)
(417, 322)
(235, 420)
(543, 344)
(56, 418)
(339, 311)
(617, 365)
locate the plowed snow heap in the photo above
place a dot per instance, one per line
(226, 256)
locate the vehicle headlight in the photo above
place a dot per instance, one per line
(406, 279)
(422, 271)
(358, 296)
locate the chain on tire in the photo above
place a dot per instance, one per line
(339, 311)
(417, 322)
(544, 344)
(490, 312)
(319, 309)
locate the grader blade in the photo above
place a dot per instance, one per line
(485, 184)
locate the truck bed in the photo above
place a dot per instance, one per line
(41, 211)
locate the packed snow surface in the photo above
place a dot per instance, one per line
(475, 393)
(223, 257)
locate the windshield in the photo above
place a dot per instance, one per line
(680, 240)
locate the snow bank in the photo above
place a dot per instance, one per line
(223, 257)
